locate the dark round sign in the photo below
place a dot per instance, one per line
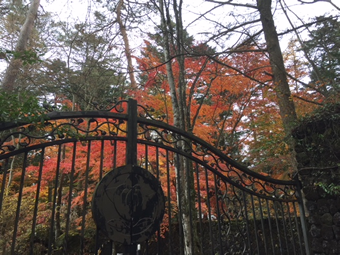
(128, 204)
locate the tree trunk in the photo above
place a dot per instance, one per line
(127, 49)
(284, 97)
(184, 175)
(178, 119)
(286, 104)
(12, 71)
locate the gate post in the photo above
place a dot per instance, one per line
(131, 152)
(299, 188)
(131, 147)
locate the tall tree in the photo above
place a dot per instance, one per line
(284, 99)
(13, 68)
(178, 100)
(323, 48)
(286, 104)
(127, 48)
(90, 77)
(278, 71)
(216, 98)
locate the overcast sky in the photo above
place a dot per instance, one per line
(78, 10)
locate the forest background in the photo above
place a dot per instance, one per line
(212, 68)
(215, 68)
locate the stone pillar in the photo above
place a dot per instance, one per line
(321, 189)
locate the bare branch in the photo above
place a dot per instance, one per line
(202, 15)
(192, 90)
(316, 1)
(306, 100)
(306, 25)
(314, 66)
(233, 4)
(237, 70)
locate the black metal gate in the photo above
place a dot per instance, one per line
(49, 172)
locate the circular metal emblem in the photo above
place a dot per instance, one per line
(128, 204)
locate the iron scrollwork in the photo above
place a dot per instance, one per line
(50, 131)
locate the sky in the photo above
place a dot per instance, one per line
(78, 10)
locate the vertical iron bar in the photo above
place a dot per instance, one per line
(114, 158)
(199, 207)
(291, 228)
(101, 159)
(54, 201)
(146, 156)
(188, 173)
(146, 153)
(277, 227)
(298, 228)
(42, 155)
(218, 216)
(284, 226)
(157, 176)
(255, 226)
(169, 201)
(111, 246)
(69, 202)
(270, 227)
(209, 212)
(247, 221)
(131, 147)
(264, 232)
(102, 149)
(146, 247)
(4, 168)
(179, 202)
(3, 184)
(157, 163)
(228, 215)
(85, 197)
(302, 218)
(97, 242)
(17, 215)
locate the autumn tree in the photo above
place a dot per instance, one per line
(254, 23)
(286, 105)
(218, 98)
(173, 46)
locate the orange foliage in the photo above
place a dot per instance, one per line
(219, 101)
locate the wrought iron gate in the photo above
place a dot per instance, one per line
(49, 172)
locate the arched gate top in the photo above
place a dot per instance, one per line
(127, 120)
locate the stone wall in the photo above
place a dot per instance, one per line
(322, 203)
(317, 147)
(317, 138)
